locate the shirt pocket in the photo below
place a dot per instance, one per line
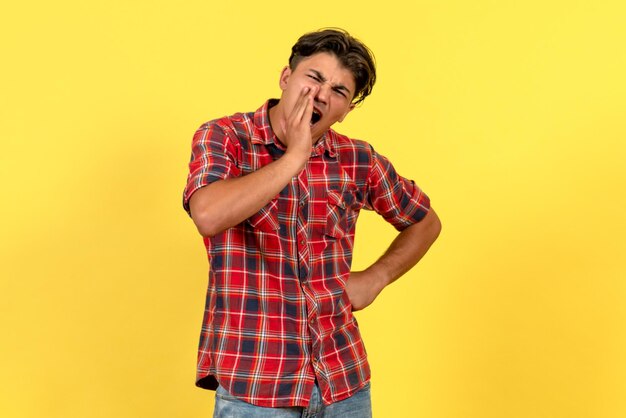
(266, 219)
(339, 213)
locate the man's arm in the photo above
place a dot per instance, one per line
(403, 253)
(226, 203)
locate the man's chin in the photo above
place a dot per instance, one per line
(319, 127)
(317, 132)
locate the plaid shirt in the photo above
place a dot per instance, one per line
(277, 317)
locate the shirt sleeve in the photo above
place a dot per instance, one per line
(213, 157)
(397, 199)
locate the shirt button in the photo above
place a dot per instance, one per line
(302, 242)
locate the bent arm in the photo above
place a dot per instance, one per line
(403, 253)
(226, 203)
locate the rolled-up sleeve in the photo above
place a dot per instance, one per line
(213, 157)
(397, 199)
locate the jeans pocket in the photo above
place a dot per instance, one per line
(222, 393)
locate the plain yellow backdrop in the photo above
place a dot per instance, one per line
(509, 114)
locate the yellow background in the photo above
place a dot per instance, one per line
(510, 114)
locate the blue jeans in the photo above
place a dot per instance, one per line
(358, 405)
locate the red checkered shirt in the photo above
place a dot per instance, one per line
(277, 316)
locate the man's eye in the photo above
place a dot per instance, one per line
(314, 78)
(340, 92)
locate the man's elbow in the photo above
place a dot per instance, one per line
(203, 213)
(207, 230)
(206, 224)
(433, 225)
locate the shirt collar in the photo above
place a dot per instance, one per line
(264, 134)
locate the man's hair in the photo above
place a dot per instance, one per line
(351, 53)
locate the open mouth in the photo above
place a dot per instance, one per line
(315, 117)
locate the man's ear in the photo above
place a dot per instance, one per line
(284, 76)
(346, 114)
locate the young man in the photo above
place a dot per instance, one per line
(276, 194)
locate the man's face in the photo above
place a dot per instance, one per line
(335, 89)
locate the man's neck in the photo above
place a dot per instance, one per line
(275, 116)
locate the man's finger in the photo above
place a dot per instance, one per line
(301, 105)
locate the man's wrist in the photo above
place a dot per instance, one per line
(380, 276)
(297, 159)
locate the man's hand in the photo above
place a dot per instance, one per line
(225, 203)
(404, 252)
(362, 288)
(297, 126)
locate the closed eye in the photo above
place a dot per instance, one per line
(340, 92)
(319, 78)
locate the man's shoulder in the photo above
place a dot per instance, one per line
(237, 130)
(348, 148)
(236, 122)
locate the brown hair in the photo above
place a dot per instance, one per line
(352, 53)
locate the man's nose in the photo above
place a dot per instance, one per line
(323, 93)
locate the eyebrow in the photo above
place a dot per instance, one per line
(336, 86)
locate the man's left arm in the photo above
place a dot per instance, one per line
(404, 252)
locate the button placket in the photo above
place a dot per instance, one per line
(301, 224)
